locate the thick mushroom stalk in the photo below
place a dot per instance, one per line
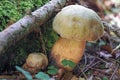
(68, 49)
(75, 24)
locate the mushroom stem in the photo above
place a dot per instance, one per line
(67, 49)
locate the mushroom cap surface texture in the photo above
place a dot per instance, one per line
(37, 60)
(78, 23)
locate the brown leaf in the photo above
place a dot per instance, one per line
(67, 76)
(107, 48)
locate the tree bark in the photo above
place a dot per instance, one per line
(27, 24)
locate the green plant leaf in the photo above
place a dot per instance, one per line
(72, 64)
(68, 63)
(104, 78)
(52, 70)
(42, 76)
(65, 62)
(52, 67)
(25, 73)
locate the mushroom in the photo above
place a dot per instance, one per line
(75, 24)
(35, 62)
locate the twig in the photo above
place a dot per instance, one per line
(116, 32)
(42, 42)
(116, 48)
(88, 64)
(101, 71)
(102, 60)
(98, 58)
(91, 65)
(7, 77)
(85, 59)
(111, 78)
(109, 60)
(83, 74)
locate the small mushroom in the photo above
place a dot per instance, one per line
(75, 24)
(35, 62)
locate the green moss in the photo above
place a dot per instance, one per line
(13, 10)
(50, 36)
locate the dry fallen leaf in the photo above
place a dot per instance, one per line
(67, 76)
(107, 48)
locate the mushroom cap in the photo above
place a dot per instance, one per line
(78, 23)
(37, 60)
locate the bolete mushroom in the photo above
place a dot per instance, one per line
(75, 24)
(35, 62)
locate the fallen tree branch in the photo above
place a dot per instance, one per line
(27, 24)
